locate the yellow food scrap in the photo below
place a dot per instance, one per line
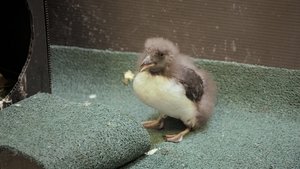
(128, 76)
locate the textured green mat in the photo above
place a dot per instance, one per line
(55, 133)
(256, 123)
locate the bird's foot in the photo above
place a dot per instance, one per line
(154, 124)
(176, 138)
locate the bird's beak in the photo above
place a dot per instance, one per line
(147, 63)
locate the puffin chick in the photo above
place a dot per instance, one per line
(169, 82)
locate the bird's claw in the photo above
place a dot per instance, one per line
(154, 124)
(175, 138)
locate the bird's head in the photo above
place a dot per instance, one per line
(155, 61)
(158, 55)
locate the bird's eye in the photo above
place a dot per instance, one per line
(160, 55)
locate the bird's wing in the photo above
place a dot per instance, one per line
(192, 83)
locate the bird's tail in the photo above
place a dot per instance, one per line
(208, 99)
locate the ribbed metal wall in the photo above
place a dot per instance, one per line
(253, 31)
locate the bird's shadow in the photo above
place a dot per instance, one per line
(171, 126)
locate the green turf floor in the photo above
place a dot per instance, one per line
(56, 133)
(256, 123)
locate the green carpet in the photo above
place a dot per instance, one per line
(55, 133)
(256, 123)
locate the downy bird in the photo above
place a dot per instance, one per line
(171, 83)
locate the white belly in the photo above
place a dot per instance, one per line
(165, 95)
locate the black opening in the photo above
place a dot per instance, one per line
(16, 25)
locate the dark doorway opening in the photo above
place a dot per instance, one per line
(17, 35)
(25, 57)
